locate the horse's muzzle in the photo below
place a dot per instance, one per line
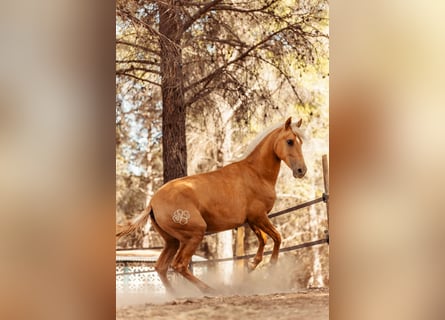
(299, 172)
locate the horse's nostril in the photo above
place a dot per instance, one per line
(300, 170)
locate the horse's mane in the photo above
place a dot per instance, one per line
(254, 143)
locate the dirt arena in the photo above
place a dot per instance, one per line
(310, 304)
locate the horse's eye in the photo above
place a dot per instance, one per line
(290, 142)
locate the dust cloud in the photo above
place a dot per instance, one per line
(266, 279)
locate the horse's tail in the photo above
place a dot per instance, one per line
(138, 223)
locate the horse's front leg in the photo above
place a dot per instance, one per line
(262, 238)
(266, 226)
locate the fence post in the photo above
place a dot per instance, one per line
(239, 246)
(326, 187)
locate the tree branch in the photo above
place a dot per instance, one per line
(240, 57)
(193, 4)
(226, 7)
(198, 96)
(149, 62)
(135, 19)
(133, 68)
(284, 74)
(229, 42)
(206, 8)
(134, 45)
(137, 78)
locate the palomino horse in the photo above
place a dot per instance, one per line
(184, 209)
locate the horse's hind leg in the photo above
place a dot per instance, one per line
(190, 232)
(164, 260)
(262, 238)
(181, 262)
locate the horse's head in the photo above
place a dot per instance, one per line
(288, 148)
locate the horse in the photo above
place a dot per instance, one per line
(184, 209)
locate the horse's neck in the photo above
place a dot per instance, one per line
(263, 159)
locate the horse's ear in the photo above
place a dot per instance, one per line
(299, 123)
(288, 123)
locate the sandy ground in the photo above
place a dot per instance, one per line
(312, 304)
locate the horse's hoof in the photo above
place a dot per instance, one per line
(251, 266)
(273, 263)
(209, 291)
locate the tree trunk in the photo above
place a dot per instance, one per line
(174, 149)
(239, 249)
